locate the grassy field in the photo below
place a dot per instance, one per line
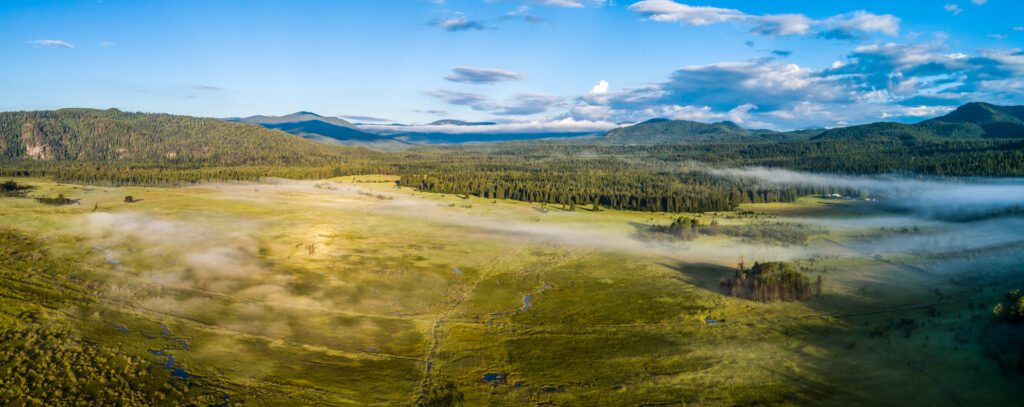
(351, 291)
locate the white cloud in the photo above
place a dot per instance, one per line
(52, 43)
(897, 81)
(998, 36)
(670, 11)
(843, 26)
(107, 44)
(979, 2)
(863, 21)
(953, 8)
(599, 92)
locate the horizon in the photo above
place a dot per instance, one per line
(565, 64)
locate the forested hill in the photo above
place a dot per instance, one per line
(995, 121)
(970, 121)
(88, 135)
(662, 131)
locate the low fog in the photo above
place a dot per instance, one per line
(942, 198)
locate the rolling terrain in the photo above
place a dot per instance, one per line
(353, 292)
(168, 260)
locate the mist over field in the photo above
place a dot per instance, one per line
(929, 197)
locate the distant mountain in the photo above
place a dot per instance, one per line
(970, 121)
(332, 130)
(664, 131)
(328, 130)
(90, 135)
(461, 138)
(293, 118)
(451, 122)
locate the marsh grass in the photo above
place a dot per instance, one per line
(353, 323)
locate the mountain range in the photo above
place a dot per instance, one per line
(334, 130)
(972, 120)
(90, 135)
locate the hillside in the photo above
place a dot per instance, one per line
(662, 131)
(995, 121)
(970, 121)
(88, 135)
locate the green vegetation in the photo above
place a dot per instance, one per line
(112, 136)
(45, 360)
(770, 281)
(12, 189)
(323, 293)
(547, 273)
(686, 228)
(56, 201)
(1011, 309)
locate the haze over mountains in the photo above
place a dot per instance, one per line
(973, 120)
(334, 130)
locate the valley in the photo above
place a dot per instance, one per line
(352, 291)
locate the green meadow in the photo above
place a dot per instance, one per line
(352, 291)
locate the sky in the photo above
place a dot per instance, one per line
(558, 65)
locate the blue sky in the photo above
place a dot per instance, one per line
(557, 64)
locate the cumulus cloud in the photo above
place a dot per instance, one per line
(52, 43)
(851, 25)
(903, 70)
(843, 26)
(468, 74)
(893, 81)
(726, 85)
